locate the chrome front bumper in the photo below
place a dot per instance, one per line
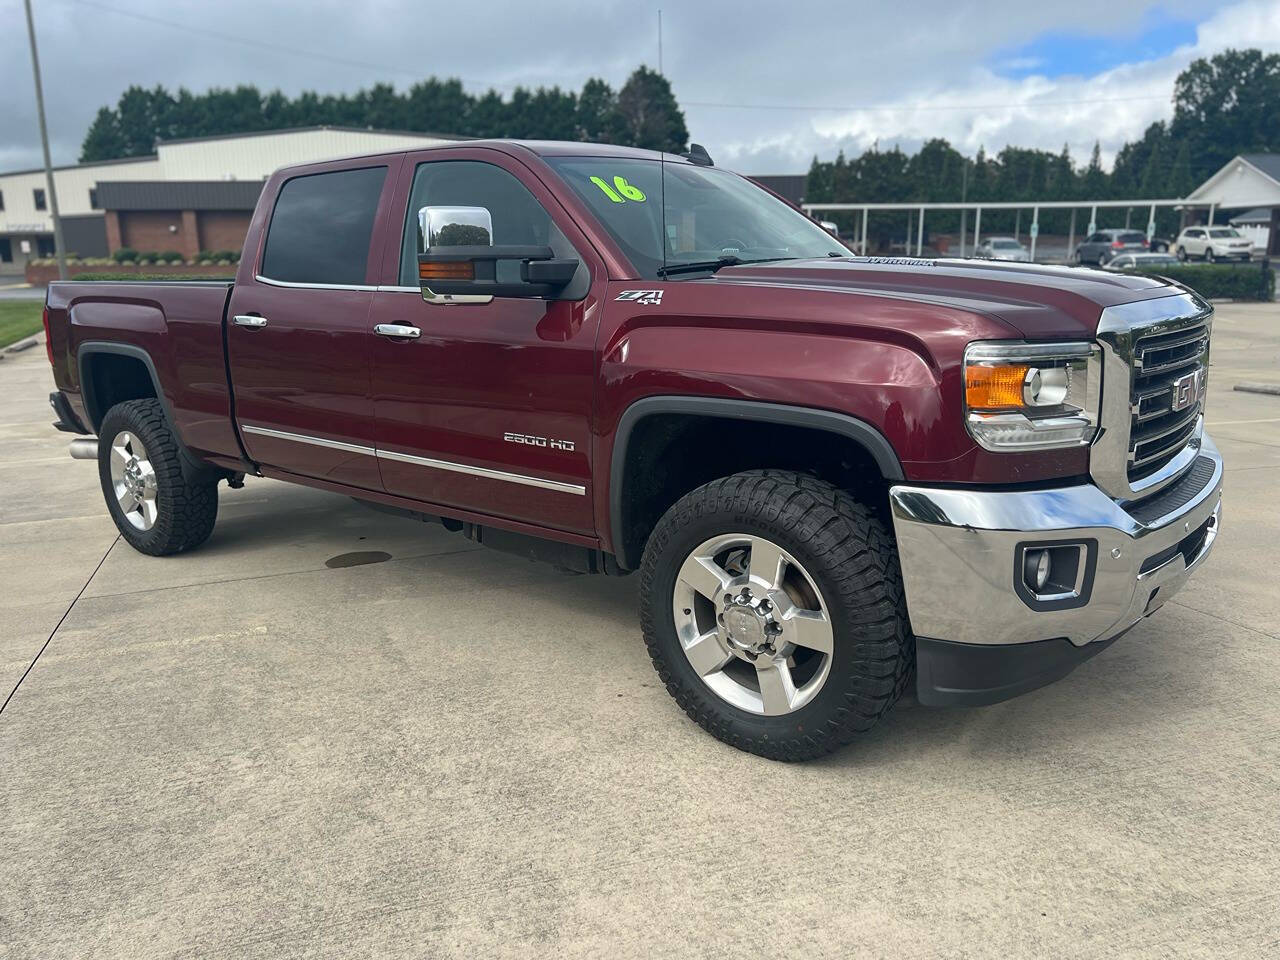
(958, 552)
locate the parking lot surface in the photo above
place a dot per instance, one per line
(244, 752)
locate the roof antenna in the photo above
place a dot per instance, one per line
(697, 153)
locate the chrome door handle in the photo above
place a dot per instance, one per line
(253, 323)
(397, 330)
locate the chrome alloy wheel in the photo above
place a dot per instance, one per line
(753, 624)
(133, 480)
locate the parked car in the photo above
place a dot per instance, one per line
(1002, 248)
(1098, 248)
(1132, 261)
(617, 361)
(1213, 243)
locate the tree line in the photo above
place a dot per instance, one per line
(643, 113)
(1223, 106)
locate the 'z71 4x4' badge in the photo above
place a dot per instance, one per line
(650, 298)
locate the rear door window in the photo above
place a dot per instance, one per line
(321, 228)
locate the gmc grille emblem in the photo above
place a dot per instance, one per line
(1187, 390)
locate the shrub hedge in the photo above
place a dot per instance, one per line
(135, 277)
(1249, 281)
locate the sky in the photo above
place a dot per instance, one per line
(765, 86)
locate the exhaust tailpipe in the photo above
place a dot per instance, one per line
(84, 448)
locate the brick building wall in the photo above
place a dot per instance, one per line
(153, 230)
(223, 229)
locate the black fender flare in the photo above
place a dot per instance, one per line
(859, 431)
(193, 468)
(94, 347)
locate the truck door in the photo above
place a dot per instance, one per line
(487, 406)
(298, 330)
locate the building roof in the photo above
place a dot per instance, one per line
(236, 136)
(178, 194)
(284, 130)
(1246, 180)
(1267, 163)
(1256, 215)
(145, 158)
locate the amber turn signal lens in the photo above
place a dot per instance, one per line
(456, 270)
(994, 387)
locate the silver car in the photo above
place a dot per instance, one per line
(1002, 248)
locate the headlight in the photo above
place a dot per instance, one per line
(1027, 396)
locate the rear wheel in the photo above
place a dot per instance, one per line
(773, 611)
(1182, 254)
(157, 508)
(1209, 256)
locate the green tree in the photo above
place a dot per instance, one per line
(1227, 104)
(1093, 182)
(104, 141)
(649, 115)
(597, 119)
(1181, 182)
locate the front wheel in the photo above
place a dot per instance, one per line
(1209, 256)
(155, 506)
(773, 611)
(1182, 254)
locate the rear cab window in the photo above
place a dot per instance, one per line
(322, 226)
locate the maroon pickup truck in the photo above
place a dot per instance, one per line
(834, 474)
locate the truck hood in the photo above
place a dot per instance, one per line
(1038, 302)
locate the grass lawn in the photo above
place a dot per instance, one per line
(18, 319)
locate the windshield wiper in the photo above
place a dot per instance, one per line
(695, 266)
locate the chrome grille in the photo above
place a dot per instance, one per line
(1161, 361)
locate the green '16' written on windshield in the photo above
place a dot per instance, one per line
(621, 191)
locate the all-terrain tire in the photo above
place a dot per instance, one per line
(852, 559)
(186, 507)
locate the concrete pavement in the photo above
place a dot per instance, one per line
(242, 752)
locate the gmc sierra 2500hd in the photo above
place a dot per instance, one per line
(827, 469)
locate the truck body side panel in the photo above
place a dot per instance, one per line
(178, 326)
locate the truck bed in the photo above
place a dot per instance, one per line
(103, 335)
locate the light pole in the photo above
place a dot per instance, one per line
(59, 249)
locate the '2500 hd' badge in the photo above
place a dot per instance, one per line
(649, 298)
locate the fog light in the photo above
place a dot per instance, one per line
(1037, 566)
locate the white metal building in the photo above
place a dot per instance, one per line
(26, 224)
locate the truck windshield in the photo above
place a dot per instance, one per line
(663, 215)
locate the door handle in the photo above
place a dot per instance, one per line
(253, 323)
(397, 330)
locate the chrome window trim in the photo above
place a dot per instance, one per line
(449, 465)
(1119, 328)
(434, 298)
(314, 286)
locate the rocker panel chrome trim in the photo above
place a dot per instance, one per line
(488, 473)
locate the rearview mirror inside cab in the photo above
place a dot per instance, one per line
(459, 259)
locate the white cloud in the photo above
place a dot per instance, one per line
(910, 58)
(1112, 106)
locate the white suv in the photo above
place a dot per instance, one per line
(1213, 243)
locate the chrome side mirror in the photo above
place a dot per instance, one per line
(454, 227)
